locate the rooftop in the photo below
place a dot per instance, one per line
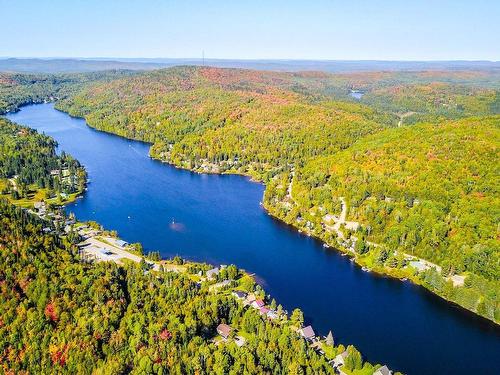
(224, 330)
(308, 332)
(121, 243)
(239, 294)
(258, 302)
(384, 370)
(213, 272)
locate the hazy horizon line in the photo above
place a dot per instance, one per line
(108, 58)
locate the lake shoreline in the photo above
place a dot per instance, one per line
(90, 243)
(386, 272)
(334, 293)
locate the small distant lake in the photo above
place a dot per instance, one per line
(356, 94)
(218, 219)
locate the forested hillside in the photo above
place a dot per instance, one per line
(61, 315)
(434, 101)
(20, 89)
(425, 190)
(429, 190)
(29, 164)
(218, 120)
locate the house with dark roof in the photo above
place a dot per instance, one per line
(239, 294)
(239, 341)
(384, 370)
(308, 333)
(38, 205)
(224, 330)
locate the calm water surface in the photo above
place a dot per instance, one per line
(356, 94)
(219, 220)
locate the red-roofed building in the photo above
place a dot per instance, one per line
(264, 310)
(258, 303)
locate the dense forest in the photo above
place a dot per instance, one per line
(434, 101)
(415, 178)
(425, 190)
(234, 118)
(28, 163)
(18, 89)
(252, 122)
(59, 314)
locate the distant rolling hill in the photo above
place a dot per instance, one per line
(68, 65)
(429, 188)
(71, 65)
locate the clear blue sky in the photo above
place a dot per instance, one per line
(252, 29)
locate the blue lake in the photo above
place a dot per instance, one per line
(219, 220)
(356, 94)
